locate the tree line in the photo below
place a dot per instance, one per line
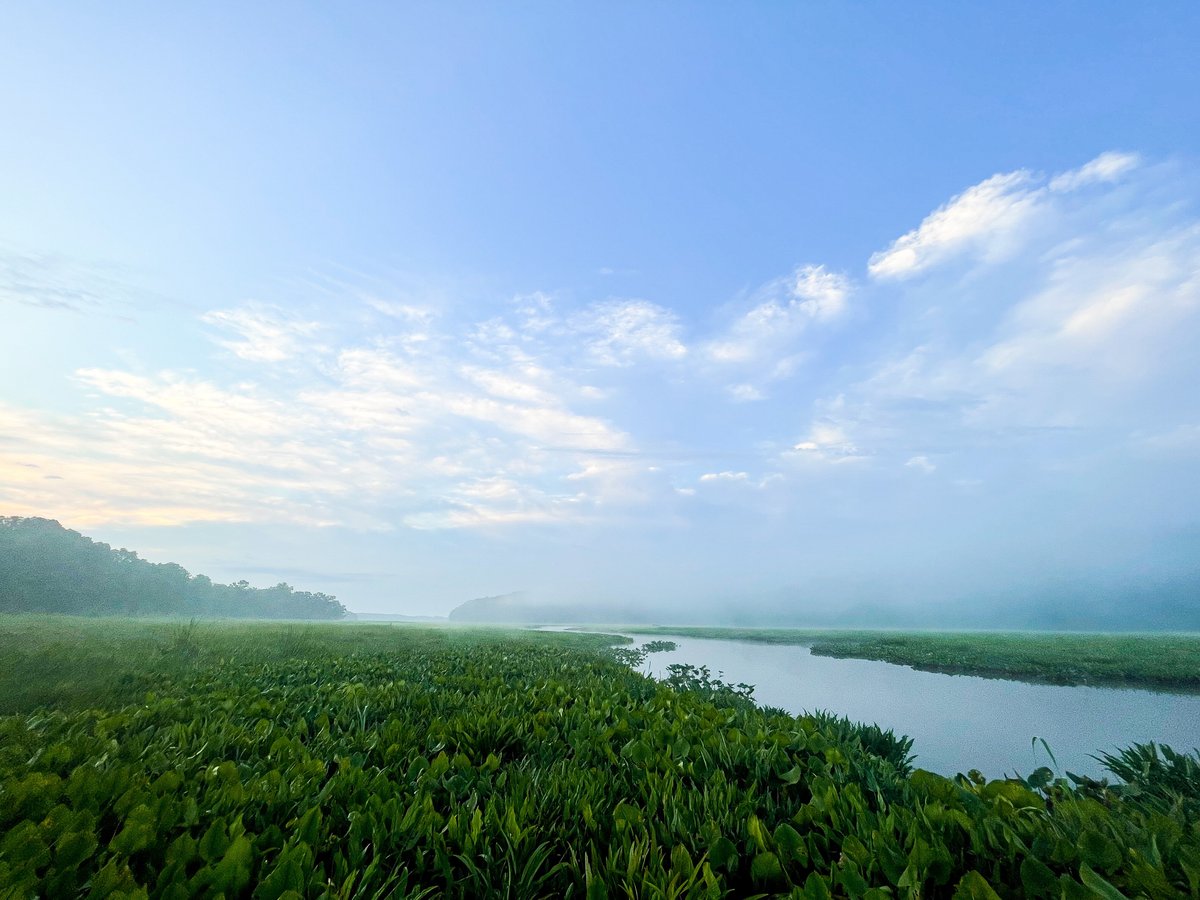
(47, 568)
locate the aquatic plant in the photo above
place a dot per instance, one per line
(414, 762)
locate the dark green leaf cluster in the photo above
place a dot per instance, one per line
(1158, 775)
(659, 646)
(49, 569)
(883, 742)
(700, 682)
(436, 763)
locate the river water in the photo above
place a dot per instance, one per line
(957, 722)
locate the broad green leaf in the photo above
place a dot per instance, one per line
(1037, 879)
(765, 868)
(214, 843)
(73, 848)
(722, 853)
(815, 888)
(790, 844)
(138, 833)
(1099, 852)
(1089, 877)
(974, 886)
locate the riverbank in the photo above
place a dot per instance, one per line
(1165, 662)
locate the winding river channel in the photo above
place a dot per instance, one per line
(957, 722)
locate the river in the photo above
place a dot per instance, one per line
(957, 722)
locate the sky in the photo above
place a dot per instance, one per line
(639, 303)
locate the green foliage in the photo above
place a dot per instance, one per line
(659, 646)
(1158, 775)
(700, 682)
(45, 568)
(373, 762)
(884, 743)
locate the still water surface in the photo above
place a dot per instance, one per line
(957, 722)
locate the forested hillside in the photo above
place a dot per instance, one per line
(46, 568)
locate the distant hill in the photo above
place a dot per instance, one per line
(46, 568)
(520, 608)
(513, 607)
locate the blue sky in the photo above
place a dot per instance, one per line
(639, 302)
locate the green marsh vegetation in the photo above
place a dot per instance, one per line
(1144, 660)
(287, 761)
(66, 663)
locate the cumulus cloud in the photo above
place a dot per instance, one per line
(819, 293)
(1086, 336)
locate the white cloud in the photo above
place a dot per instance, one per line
(265, 334)
(1108, 318)
(741, 480)
(988, 218)
(495, 501)
(763, 344)
(433, 422)
(536, 312)
(827, 441)
(819, 293)
(744, 393)
(827, 436)
(621, 332)
(993, 207)
(614, 483)
(921, 464)
(1106, 167)
(1088, 333)
(724, 476)
(527, 384)
(378, 434)
(782, 310)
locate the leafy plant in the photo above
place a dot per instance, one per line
(419, 762)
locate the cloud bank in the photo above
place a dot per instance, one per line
(1023, 359)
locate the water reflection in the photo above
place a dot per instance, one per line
(958, 722)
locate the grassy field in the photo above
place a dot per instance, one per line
(347, 761)
(1156, 661)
